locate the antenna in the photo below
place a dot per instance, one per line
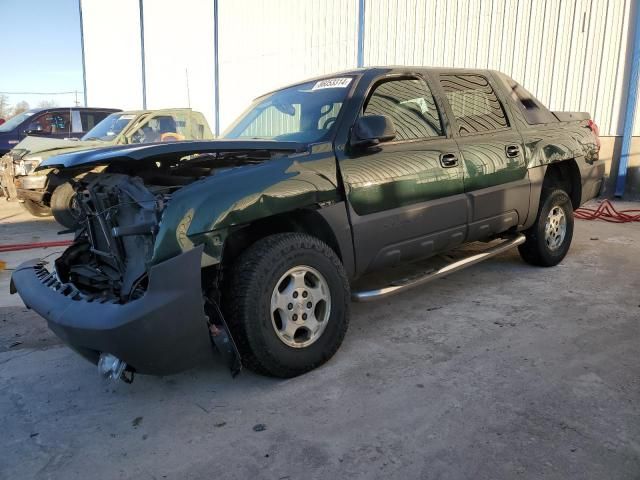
(186, 74)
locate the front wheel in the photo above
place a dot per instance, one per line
(65, 207)
(549, 239)
(288, 304)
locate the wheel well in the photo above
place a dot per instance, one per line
(565, 175)
(303, 221)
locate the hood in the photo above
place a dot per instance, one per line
(45, 147)
(151, 152)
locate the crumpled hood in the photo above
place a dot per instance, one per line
(151, 152)
(44, 147)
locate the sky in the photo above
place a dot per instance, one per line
(40, 50)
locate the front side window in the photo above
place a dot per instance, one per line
(302, 113)
(410, 105)
(162, 128)
(474, 103)
(51, 123)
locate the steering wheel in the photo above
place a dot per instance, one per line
(138, 136)
(328, 123)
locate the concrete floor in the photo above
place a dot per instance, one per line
(501, 371)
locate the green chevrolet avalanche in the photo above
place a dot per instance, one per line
(255, 244)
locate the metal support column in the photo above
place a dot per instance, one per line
(84, 68)
(216, 69)
(144, 72)
(361, 7)
(632, 97)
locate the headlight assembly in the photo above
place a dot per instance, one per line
(26, 166)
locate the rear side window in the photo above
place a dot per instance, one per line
(474, 103)
(91, 119)
(410, 104)
(533, 111)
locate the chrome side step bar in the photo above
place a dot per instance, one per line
(422, 278)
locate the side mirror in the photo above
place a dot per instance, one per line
(370, 130)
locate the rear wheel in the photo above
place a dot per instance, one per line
(36, 209)
(288, 304)
(64, 206)
(549, 239)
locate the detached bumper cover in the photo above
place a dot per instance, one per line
(163, 332)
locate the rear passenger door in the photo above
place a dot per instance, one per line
(406, 196)
(492, 152)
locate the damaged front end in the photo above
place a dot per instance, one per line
(110, 303)
(140, 284)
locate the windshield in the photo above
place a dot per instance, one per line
(12, 123)
(303, 113)
(109, 128)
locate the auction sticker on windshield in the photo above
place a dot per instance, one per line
(342, 82)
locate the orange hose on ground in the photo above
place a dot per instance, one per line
(27, 246)
(607, 212)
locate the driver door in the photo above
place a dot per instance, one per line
(406, 196)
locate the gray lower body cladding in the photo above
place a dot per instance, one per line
(165, 331)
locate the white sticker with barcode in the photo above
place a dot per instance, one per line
(341, 82)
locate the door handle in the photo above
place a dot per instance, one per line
(448, 160)
(512, 151)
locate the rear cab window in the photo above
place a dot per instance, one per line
(474, 103)
(533, 111)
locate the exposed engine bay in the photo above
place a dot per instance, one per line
(119, 210)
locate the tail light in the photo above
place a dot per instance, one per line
(593, 126)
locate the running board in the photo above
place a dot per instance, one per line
(422, 278)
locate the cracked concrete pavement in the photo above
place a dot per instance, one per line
(500, 371)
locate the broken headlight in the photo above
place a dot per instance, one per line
(26, 166)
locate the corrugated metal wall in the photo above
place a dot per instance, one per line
(572, 54)
(179, 49)
(113, 58)
(264, 45)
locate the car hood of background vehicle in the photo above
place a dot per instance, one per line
(163, 151)
(45, 147)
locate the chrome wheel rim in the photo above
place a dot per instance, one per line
(300, 306)
(555, 228)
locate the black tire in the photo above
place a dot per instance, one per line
(36, 209)
(62, 206)
(247, 303)
(536, 250)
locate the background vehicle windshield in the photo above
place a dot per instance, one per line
(303, 113)
(110, 127)
(12, 123)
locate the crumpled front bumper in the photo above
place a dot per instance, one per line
(163, 332)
